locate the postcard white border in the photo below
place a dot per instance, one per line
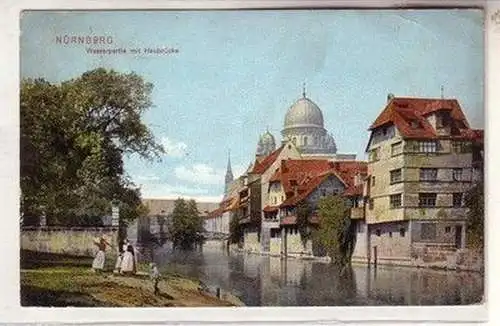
(10, 310)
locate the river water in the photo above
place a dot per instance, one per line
(271, 281)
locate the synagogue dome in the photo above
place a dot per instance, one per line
(303, 113)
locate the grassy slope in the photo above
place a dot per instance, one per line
(49, 280)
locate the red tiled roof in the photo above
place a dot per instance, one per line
(354, 190)
(292, 220)
(226, 205)
(270, 208)
(262, 166)
(403, 111)
(300, 172)
(309, 174)
(289, 220)
(478, 135)
(215, 213)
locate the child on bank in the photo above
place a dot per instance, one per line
(155, 277)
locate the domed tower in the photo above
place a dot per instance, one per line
(305, 128)
(266, 145)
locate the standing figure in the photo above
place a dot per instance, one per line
(155, 277)
(100, 257)
(128, 260)
(119, 259)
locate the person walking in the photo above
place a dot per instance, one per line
(100, 257)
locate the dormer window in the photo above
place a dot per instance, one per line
(414, 124)
(293, 182)
(443, 119)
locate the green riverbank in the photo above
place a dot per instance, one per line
(62, 281)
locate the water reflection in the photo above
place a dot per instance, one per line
(272, 281)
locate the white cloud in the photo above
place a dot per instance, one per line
(204, 174)
(173, 148)
(199, 199)
(147, 178)
(168, 191)
(201, 174)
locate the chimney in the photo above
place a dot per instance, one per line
(390, 96)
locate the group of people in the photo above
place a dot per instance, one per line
(126, 262)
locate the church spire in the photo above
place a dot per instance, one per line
(229, 174)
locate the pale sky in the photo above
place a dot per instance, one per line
(237, 73)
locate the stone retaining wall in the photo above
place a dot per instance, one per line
(77, 241)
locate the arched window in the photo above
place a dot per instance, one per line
(305, 140)
(294, 140)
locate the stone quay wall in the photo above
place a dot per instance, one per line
(75, 241)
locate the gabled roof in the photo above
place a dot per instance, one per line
(409, 117)
(264, 164)
(301, 177)
(228, 204)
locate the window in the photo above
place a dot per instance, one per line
(428, 174)
(396, 148)
(370, 203)
(428, 231)
(355, 202)
(390, 234)
(447, 229)
(293, 182)
(402, 232)
(457, 174)
(427, 147)
(275, 233)
(457, 199)
(427, 199)
(395, 201)
(443, 120)
(460, 147)
(377, 232)
(384, 131)
(373, 181)
(305, 140)
(373, 155)
(323, 192)
(395, 176)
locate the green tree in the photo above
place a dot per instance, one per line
(474, 201)
(73, 138)
(235, 229)
(186, 224)
(334, 230)
(304, 211)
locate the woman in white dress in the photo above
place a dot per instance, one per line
(100, 257)
(128, 260)
(119, 259)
